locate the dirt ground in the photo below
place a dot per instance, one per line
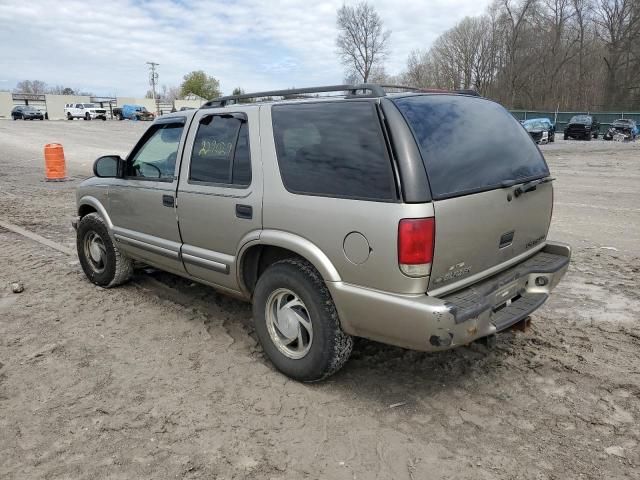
(163, 378)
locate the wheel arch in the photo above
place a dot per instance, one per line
(90, 204)
(257, 254)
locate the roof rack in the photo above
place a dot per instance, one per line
(374, 90)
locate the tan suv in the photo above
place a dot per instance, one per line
(415, 219)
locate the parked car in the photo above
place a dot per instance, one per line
(623, 128)
(26, 112)
(133, 112)
(540, 129)
(582, 126)
(360, 214)
(87, 111)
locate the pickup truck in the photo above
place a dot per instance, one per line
(88, 111)
(133, 112)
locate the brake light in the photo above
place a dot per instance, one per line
(415, 245)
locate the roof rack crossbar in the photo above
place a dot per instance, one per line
(351, 91)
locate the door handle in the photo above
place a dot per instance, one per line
(244, 211)
(168, 200)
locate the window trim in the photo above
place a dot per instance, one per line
(395, 194)
(154, 127)
(241, 116)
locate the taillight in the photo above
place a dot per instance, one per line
(415, 245)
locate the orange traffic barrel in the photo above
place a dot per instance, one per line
(54, 163)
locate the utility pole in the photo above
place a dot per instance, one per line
(153, 80)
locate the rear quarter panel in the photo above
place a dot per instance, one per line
(326, 222)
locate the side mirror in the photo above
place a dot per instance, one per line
(107, 166)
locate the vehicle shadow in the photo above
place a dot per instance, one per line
(384, 374)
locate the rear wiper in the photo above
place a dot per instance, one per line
(530, 186)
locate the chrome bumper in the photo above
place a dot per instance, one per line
(422, 322)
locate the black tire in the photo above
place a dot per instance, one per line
(116, 269)
(588, 139)
(104, 119)
(119, 116)
(566, 137)
(595, 135)
(24, 118)
(330, 347)
(15, 117)
(87, 116)
(69, 116)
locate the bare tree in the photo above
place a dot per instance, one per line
(619, 27)
(61, 90)
(362, 41)
(37, 87)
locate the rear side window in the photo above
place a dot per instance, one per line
(221, 151)
(470, 144)
(333, 149)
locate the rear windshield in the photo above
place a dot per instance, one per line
(470, 144)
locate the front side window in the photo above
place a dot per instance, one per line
(155, 157)
(221, 151)
(333, 149)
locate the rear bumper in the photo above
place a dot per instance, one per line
(422, 322)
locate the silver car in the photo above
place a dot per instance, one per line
(414, 219)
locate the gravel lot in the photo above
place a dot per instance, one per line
(163, 378)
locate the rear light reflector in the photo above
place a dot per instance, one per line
(415, 245)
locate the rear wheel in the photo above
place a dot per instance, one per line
(595, 135)
(101, 261)
(297, 322)
(566, 137)
(588, 139)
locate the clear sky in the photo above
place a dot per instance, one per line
(102, 46)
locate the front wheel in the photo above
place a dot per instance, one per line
(101, 261)
(297, 322)
(87, 117)
(69, 116)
